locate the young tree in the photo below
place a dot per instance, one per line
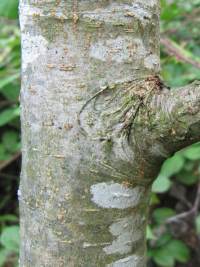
(97, 123)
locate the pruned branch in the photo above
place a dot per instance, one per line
(176, 116)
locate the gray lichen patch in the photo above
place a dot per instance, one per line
(131, 261)
(126, 232)
(116, 196)
(152, 62)
(33, 47)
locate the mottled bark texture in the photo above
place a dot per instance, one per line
(97, 124)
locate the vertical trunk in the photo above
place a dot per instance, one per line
(86, 175)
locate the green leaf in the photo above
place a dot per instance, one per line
(9, 9)
(169, 251)
(187, 178)
(189, 166)
(149, 233)
(163, 258)
(193, 152)
(154, 199)
(160, 215)
(163, 240)
(11, 92)
(161, 184)
(10, 238)
(172, 165)
(7, 80)
(10, 141)
(8, 218)
(8, 115)
(170, 11)
(178, 250)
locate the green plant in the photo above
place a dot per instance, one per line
(9, 123)
(175, 197)
(9, 240)
(180, 174)
(167, 251)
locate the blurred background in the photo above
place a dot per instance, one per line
(174, 226)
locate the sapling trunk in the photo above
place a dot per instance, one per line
(97, 123)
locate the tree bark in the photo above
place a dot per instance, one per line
(97, 123)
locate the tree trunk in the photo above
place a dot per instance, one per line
(97, 123)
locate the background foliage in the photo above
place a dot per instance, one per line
(174, 228)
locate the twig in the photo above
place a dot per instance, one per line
(6, 163)
(181, 195)
(191, 213)
(9, 176)
(172, 50)
(7, 103)
(197, 200)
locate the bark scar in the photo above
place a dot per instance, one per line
(131, 97)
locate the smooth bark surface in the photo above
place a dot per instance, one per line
(97, 123)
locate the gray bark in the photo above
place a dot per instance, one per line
(97, 124)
